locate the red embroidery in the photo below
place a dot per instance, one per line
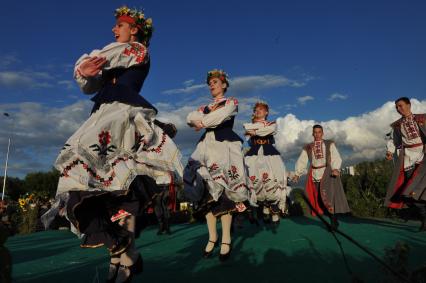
(317, 149)
(106, 181)
(102, 148)
(233, 173)
(213, 167)
(104, 138)
(265, 178)
(232, 99)
(136, 50)
(410, 128)
(159, 148)
(254, 180)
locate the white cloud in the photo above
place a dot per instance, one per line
(337, 96)
(38, 132)
(243, 85)
(361, 137)
(188, 82)
(25, 79)
(303, 99)
(68, 84)
(186, 89)
(250, 83)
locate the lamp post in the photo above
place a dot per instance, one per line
(7, 160)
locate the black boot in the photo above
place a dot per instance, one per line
(160, 228)
(333, 222)
(167, 227)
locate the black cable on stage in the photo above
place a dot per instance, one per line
(333, 231)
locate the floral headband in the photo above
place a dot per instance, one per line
(137, 18)
(220, 74)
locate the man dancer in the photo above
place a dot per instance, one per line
(408, 182)
(323, 185)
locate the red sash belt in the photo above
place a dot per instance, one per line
(413, 145)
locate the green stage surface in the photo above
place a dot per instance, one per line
(300, 250)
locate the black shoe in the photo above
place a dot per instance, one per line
(127, 272)
(207, 254)
(112, 272)
(160, 228)
(224, 257)
(167, 228)
(334, 224)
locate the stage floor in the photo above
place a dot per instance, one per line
(300, 250)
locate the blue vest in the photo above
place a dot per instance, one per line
(266, 142)
(222, 132)
(123, 85)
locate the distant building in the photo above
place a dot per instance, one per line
(350, 170)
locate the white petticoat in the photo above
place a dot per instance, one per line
(117, 143)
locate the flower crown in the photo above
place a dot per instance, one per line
(137, 18)
(261, 103)
(218, 74)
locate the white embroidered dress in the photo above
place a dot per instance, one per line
(219, 163)
(118, 141)
(267, 173)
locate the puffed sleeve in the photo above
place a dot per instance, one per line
(216, 117)
(195, 116)
(336, 160)
(266, 129)
(390, 145)
(250, 126)
(117, 55)
(302, 161)
(87, 85)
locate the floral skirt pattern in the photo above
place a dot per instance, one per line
(116, 160)
(117, 143)
(219, 168)
(268, 178)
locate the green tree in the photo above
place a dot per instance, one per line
(366, 190)
(42, 183)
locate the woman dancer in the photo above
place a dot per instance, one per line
(114, 164)
(215, 175)
(265, 166)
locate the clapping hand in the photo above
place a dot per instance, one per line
(91, 67)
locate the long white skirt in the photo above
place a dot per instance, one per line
(221, 166)
(117, 143)
(268, 178)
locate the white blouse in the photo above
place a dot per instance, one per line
(262, 128)
(318, 159)
(117, 55)
(410, 135)
(216, 116)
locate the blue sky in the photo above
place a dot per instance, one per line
(316, 60)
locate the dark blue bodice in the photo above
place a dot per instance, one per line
(222, 132)
(267, 142)
(123, 85)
